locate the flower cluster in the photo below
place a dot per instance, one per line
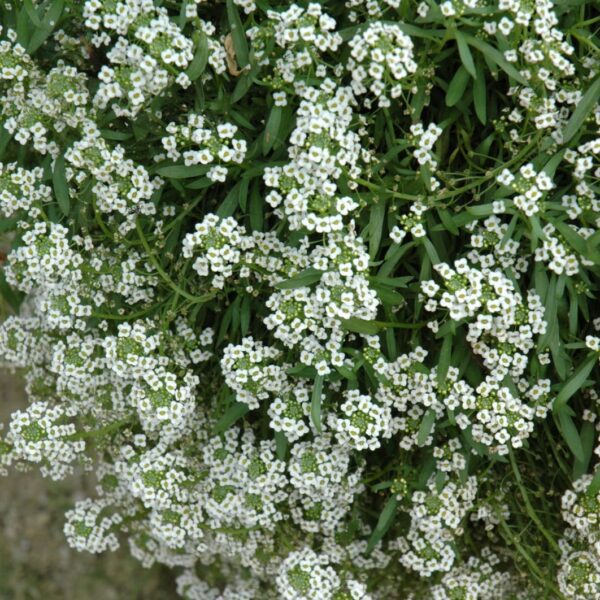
(501, 324)
(324, 485)
(305, 574)
(199, 144)
(382, 56)
(148, 50)
(45, 434)
(323, 149)
(530, 186)
(220, 243)
(251, 370)
(436, 515)
(21, 189)
(304, 34)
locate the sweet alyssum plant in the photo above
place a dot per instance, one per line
(311, 288)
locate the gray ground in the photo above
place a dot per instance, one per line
(35, 560)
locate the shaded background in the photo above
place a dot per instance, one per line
(35, 559)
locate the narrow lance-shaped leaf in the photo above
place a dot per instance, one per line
(595, 485)
(571, 435)
(61, 187)
(480, 95)
(384, 522)
(444, 360)
(198, 64)
(32, 13)
(575, 382)
(182, 171)
(377, 216)
(426, 426)
(457, 87)
(272, 129)
(302, 279)
(281, 445)
(49, 22)
(465, 54)
(494, 56)
(238, 34)
(234, 413)
(587, 437)
(315, 405)
(584, 106)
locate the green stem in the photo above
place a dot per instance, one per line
(112, 317)
(163, 273)
(93, 433)
(530, 510)
(377, 188)
(543, 579)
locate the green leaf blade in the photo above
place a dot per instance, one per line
(61, 186)
(386, 518)
(465, 54)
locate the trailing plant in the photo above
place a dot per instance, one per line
(311, 288)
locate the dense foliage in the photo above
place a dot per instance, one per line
(311, 288)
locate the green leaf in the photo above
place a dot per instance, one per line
(495, 56)
(182, 171)
(426, 426)
(245, 316)
(576, 241)
(272, 129)
(431, 251)
(361, 326)
(303, 371)
(376, 218)
(575, 382)
(61, 187)
(388, 296)
(302, 279)
(257, 207)
(7, 224)
(5, 138)
(182, 18)
(595, 485)
(587, 436)
(238, 34)
(480, 95)
(383, 485)
(386, 518)
(32, 13)
(234, 413)
(448, 221)
(47, 25)
(392, 257)
(571, 435)
(199, 184)
(244, 83)
(233, 199)
(13, 297)
(553, 162)
(481, 210)
(444, 360)
(584, 106)
(281, 445)
(109, 134)
(550, 307)
(465, 54)
(198, 64)
(372, 327)
(426, 468)
(457, 87)
(315, 403)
